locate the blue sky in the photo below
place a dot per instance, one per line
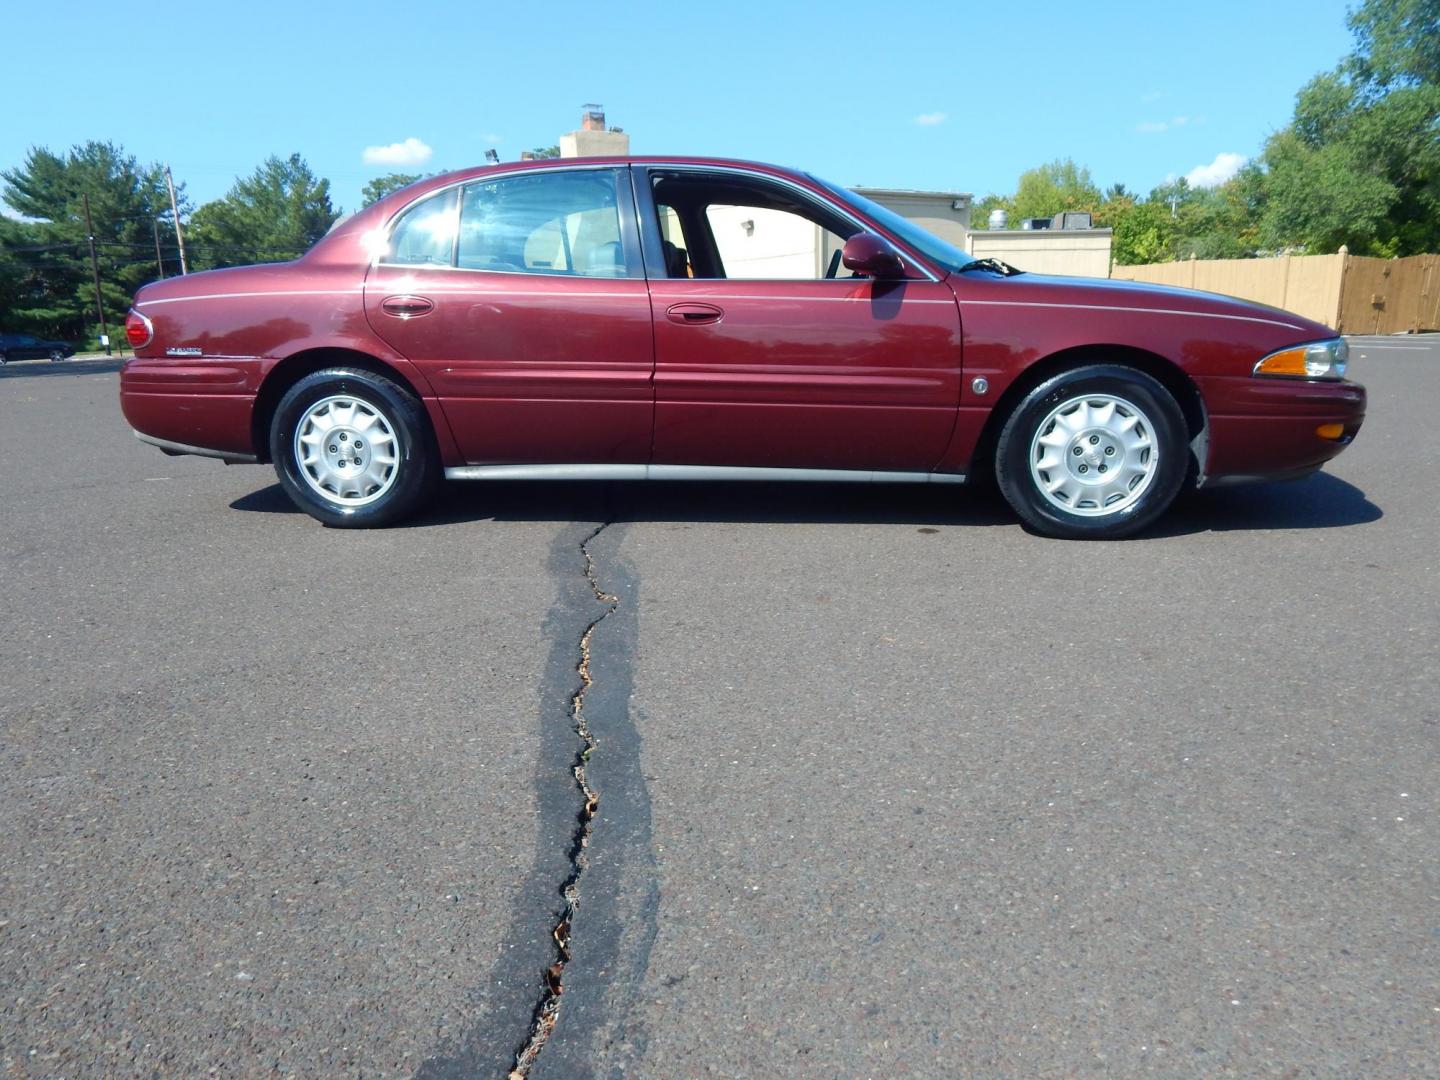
(948, 96)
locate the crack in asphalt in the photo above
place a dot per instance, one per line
(547, 1009)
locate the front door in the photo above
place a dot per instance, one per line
(523, 301)
(770, 354)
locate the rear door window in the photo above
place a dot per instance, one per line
(546, 222)
(425, 233)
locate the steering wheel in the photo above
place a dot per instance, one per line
(834, 267)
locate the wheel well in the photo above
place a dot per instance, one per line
(292, 369)
(1163, 371)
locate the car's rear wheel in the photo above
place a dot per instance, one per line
(1098, 452)
(352, 448)
(4, 359)
(56, 356)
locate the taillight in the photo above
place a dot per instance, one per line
(138, 330)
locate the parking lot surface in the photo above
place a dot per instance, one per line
(887, 786)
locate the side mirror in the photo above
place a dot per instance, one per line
(865, 253)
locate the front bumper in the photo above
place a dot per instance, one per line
(1270, 428)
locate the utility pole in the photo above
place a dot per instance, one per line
(175, 212)
(95, 269)
(159, 262)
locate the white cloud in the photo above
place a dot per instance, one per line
(930, 119)
(1217, 172)
(410, 152)
(1154, 127)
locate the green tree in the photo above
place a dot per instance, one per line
(1396, 41)
(1360, 163)
(1049, 189)
(45, 276)
(381, 186)
(1143, 231)
(276, 213)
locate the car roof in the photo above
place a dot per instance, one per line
(649, 159)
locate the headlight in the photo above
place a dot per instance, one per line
(1323, 360)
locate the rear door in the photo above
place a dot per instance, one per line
(768, 352)
(522, 298)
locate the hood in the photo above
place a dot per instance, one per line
(1144, 296)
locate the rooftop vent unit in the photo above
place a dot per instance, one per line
(1035, 223)
(1071, 219)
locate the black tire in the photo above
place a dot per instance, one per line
(56, 356)
(406, 485)
(4, 359)
(1139, 490)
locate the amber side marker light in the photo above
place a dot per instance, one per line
(1290, 362)
(1331, 431)
(1322, 360)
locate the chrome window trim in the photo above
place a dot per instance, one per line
(503, 173)
(806, 192)
(515, 169)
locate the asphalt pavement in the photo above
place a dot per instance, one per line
(887, 786)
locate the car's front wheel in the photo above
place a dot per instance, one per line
(1098, 452)
(56, 356)
(352, 448)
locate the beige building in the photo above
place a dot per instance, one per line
(1082, 252)
(944, 213)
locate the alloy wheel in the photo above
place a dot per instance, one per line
(346, 450)
(1094, 455)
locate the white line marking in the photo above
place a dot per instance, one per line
(1142, 311)
(246, 295)
(720, 299)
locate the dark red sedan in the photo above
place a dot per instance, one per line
(666, 318)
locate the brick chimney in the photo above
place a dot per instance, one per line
(594, 139)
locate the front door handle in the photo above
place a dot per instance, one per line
(407, 307)
(692, 314)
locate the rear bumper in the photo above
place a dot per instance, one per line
(1270, 428)
(203, 407)
(175, 449)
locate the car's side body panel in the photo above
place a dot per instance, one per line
(1014, 323)
(528, 367)
(822, 374)
(218, 335)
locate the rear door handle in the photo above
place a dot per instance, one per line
(690, 314)
(407, 307)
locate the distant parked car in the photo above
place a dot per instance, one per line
(698, 319)
(27, 347)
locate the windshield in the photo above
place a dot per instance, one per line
(928, 244)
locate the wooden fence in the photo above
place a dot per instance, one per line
(1354, 294)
